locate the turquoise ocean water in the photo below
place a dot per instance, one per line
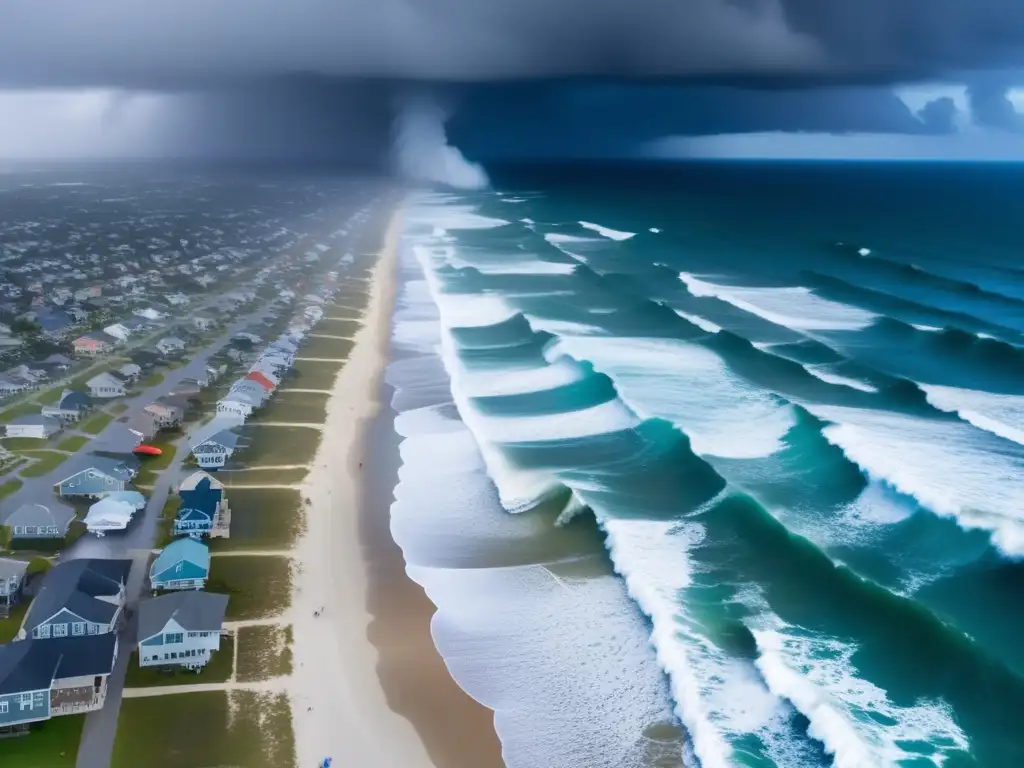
(786, 400)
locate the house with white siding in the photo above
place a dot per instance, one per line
(181, 629)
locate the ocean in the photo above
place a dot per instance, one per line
(722, 464)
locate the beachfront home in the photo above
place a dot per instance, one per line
(93, 344)
(203, 323)
(40, 679)
(180, 629)
(118, 331)
(12, 580)
(71, 407)
(143, 425)
(167, 415)
(106, 385)
(183, 564)
(103, 475)
(34, 425)
(170, 345)
(204, 509)
(78, 597)
(214, 443)
(38, 521)
(114, 512)
(130, 372)
(267, 380)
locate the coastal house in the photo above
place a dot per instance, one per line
(170, 345)
(34, 425)
(114, 512)
(78, 597)
(180, 629)
(143, 425)
(103, 475)
(267, 380)
(71, 407)
(215, 442)
(167, 415)
(130, 372)
(203, 508)
(12, 581)
(94, 344)
(118, 331)
(39, 521)
(40, 679)
(106, 385)
(239, 404)
(183, 564)
(203, 323)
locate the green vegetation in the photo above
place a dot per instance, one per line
(9, 487)
(39, 565)
(73, 443)
(277, 446)
(96, 423)
(264, 652)
(165, 524)
(213, 728)
(218, 670)
(9, 627)
(50, 744)
(309, 374)
(22, 409)
(263, 518)
(259, 586)
(300, 407)
(152, 466)
(45, 462)
(50, 396)
(152, 380)
(242, 477)
(23, 443)
(326, 346)
(118, 408)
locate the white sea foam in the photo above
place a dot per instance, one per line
(1001, 415)
(519, 381)
(555, 238)
(534, 267)
(819, 372)
(611, 416)
(796, 307)
(700, 322)
(611, 234)
(655, 230)
(447, 217)
(949, 467)
(855, 720)
(513, 199)
(690, 386)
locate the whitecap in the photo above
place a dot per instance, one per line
(611, 234)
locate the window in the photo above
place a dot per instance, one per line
(4, 707)
(92, 629)
(30, 530)
(43, 631)
(174, 637)
(60, 630)
(19, 530)
(24, 701)
(78, 628)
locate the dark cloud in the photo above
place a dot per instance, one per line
(991, 106)
(182, 43)
(939, 115)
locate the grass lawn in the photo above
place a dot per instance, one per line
(264, 652)
(301, 407)
(263, 518)
(259, 586)
(96, 423)
(9, 627)
(165, 524)
(340, 322)
(118, 408)
(50, 396)
(45, 461)
(276, 446)
(320, 346)
(242, 477)
(307, 374)
(339, 312)
(73, 443)
(18, 444)
(242, 729)
(10, 486)
(152, 380)
(50, 744)
(217, 671)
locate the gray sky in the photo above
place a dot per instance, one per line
(840, 63)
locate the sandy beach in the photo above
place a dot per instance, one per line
(369, 688)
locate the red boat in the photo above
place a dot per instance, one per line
(147, 450)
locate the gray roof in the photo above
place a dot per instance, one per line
(35, 418)
(119, 468)
(193, 611)
(33, 665)
(77, 585)
(12, 568)
(40, 514)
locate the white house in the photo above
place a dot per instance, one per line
(118, 331)
(106, 385)
(216, 441)
(181, 629)
(170, 344)
(34, 425)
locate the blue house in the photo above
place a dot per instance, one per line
(184, 564)
(103, 475)
(78, 597)
(40, 679)
(204, 508)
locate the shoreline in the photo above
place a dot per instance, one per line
(368, 686)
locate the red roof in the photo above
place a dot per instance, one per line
(260, 379)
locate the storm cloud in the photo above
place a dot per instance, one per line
(186, 43)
